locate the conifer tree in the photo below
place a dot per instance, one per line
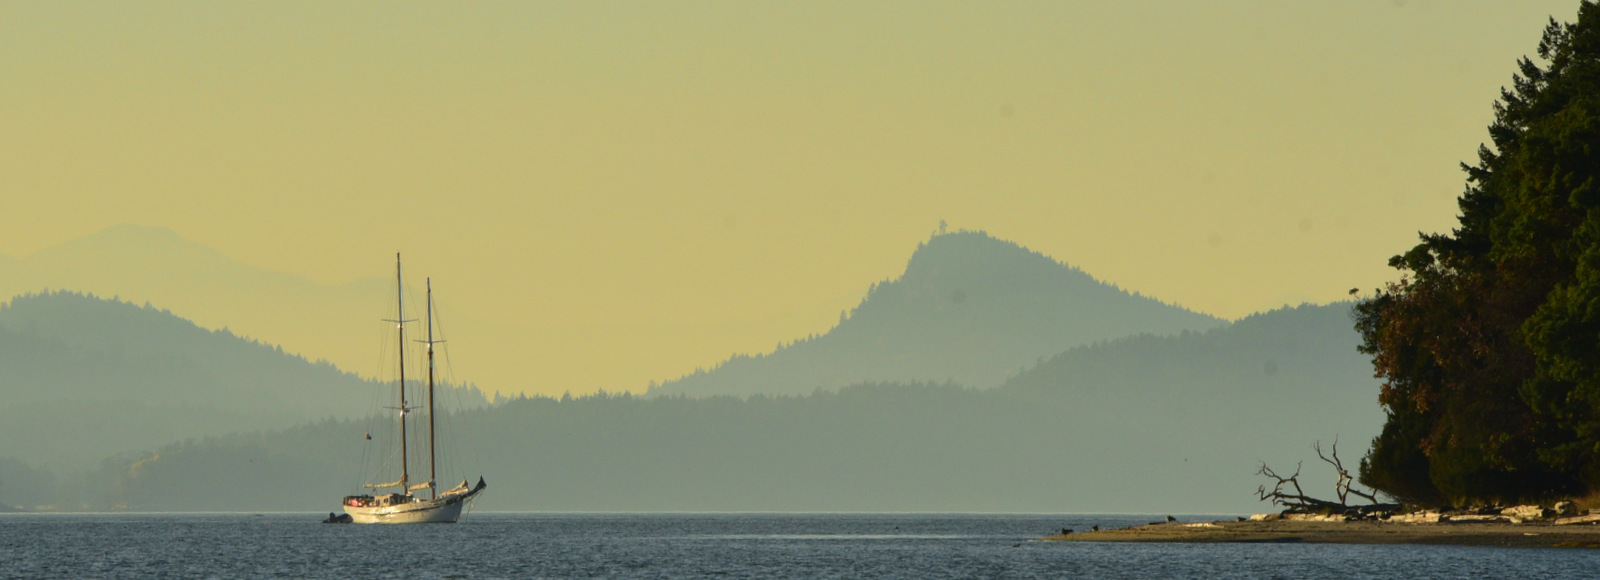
(1489, 344)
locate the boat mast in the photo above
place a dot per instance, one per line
(432, 475)
(400, 311)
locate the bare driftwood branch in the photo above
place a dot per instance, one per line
(1286, 491)
(1342, 487)
(1296, 499)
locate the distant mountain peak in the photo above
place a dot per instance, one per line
(125, 238)
(976, 254)
(974, 248)
(969, 308)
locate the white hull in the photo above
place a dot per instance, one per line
(401, 507)
(445, 510)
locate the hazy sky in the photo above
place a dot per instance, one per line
(669, 183)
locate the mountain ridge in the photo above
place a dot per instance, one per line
(86, 378)
(1139, 424)
(969, 308)
(148, 264)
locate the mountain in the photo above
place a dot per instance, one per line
(507, 349)
(969, 309)
(155, 265)
(1143, 424)
(86, 378)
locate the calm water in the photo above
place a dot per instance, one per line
(697, 546)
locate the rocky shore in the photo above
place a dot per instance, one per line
(1422, 529)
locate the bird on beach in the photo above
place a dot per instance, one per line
(1171, 519)
(1095, 527)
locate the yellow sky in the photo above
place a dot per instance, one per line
(650, 187)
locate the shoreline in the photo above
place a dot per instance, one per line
(1524, 535)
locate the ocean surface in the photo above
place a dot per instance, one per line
(493, 545)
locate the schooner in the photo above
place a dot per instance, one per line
(402, 506)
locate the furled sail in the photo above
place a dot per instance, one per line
(400, 506)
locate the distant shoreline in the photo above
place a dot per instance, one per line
(1527, 535)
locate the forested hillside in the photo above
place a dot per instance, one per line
(153, 265)
(969, 309)
(86, 378)
(1142, 424)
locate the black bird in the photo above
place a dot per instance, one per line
(1065, 531)
(1095, 527)
(1171, 519)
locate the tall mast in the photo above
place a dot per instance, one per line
(432, 475)
(400, 311)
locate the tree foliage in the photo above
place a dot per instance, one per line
(1489, 344)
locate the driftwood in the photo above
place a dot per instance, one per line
(1297, 499)
(1286, 491)
(1342, 488)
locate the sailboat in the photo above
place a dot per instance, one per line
(403, 506)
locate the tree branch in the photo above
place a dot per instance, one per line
(1286, 491)
(1343, 486)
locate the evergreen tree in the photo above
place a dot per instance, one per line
(1489, 344)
